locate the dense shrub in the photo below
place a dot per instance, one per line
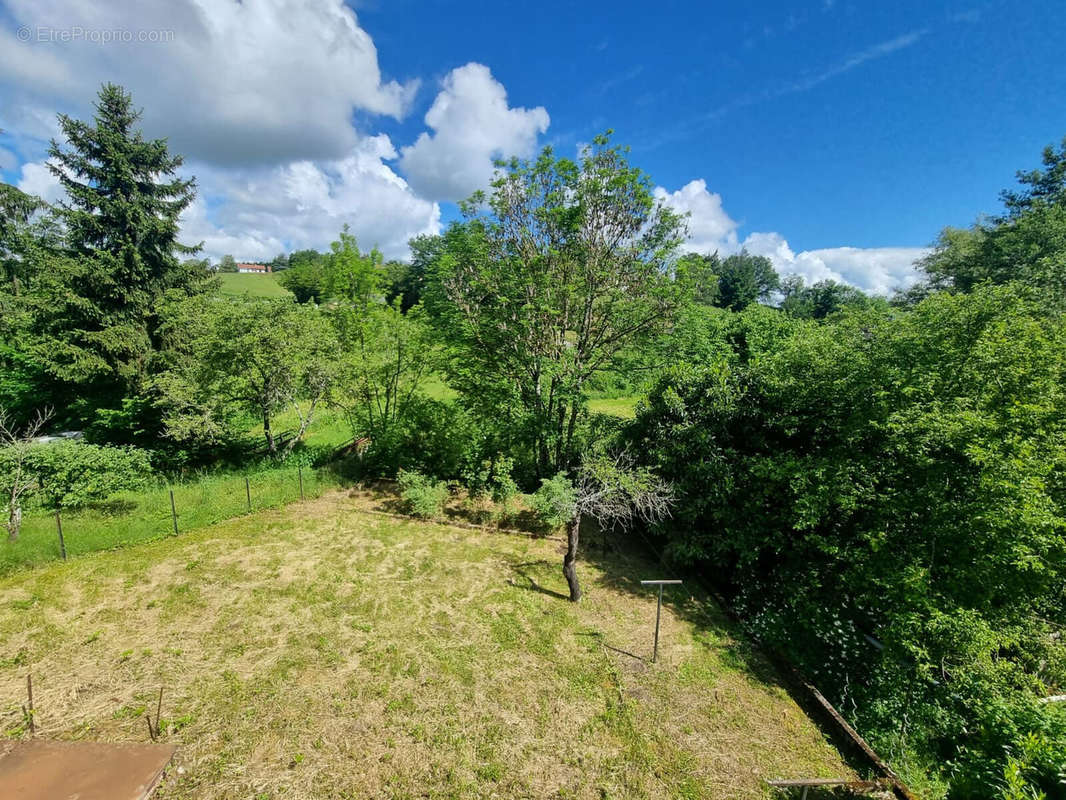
(73, 474)
(555, 501)
(887, 496)
(432, 436)
(422, 496)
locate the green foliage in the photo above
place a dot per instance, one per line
(820, 300)
(93, 305)
(555, 502)
(386, 357)
(432, 436)
(558, 270)
(351, 275)
(423, 496)
(701, 274)
(231, 357)
(408, 281)
(227, 264)
(1029, 767)
(74, 474)
(743, 279)
(306, 276)
(893, 475)
(492, 478)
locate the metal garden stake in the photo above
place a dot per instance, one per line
(658, 612)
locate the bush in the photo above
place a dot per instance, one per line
(423, 496)
(883, 496)
(74, 474)
(555, 501)
(433, 437)
(492, 478)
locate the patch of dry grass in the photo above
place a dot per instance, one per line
(319, 651)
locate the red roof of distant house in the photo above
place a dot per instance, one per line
(253, 267)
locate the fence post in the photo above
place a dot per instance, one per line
(29, 692)
(300, 472)
(248, 492)
(62, 544)
(173, 513)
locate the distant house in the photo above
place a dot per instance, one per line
(253, 268)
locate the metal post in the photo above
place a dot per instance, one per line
(62, 544)
(248, 492)
(300, 472)
(658, 615)
(29, 692)
(658, 611)
(173, 513)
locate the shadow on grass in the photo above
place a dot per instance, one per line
(522, 571)
(625, 560)
(612, 648)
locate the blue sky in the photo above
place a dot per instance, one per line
(835, 137)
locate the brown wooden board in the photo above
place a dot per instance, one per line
(39, 769)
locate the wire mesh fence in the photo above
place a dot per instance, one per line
(164, 510)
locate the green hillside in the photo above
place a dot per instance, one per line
(252, 284)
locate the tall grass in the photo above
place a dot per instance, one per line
(131, 517)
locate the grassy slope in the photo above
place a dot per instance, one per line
(249, 283)
(624, 407)
(317, 651)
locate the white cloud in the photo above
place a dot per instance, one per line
(261, 212)
(878, 270)
(710, 228)
(472, 125)
(257, 212)
(38, 180)
(235, 82)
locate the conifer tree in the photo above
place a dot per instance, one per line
(95, 315)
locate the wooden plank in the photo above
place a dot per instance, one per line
(40, 769)
(850, 783)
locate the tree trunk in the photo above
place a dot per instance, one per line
(14, 521)
(271, 444)
(570, 559)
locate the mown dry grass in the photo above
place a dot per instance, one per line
(319, 651)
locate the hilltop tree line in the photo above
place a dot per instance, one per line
(876, 483)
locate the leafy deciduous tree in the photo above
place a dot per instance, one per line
(555, 272)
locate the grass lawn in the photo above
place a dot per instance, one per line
(265, 285)
(624, 407)
(321, 651)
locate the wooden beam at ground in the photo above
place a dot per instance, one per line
(39, 769)
(847, 783)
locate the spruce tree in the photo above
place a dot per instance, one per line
(96, 302)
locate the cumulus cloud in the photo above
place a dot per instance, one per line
(710, 228)
(231, 81)
(259, 213)
(878, 270)
(472, 125)
(38, 180)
